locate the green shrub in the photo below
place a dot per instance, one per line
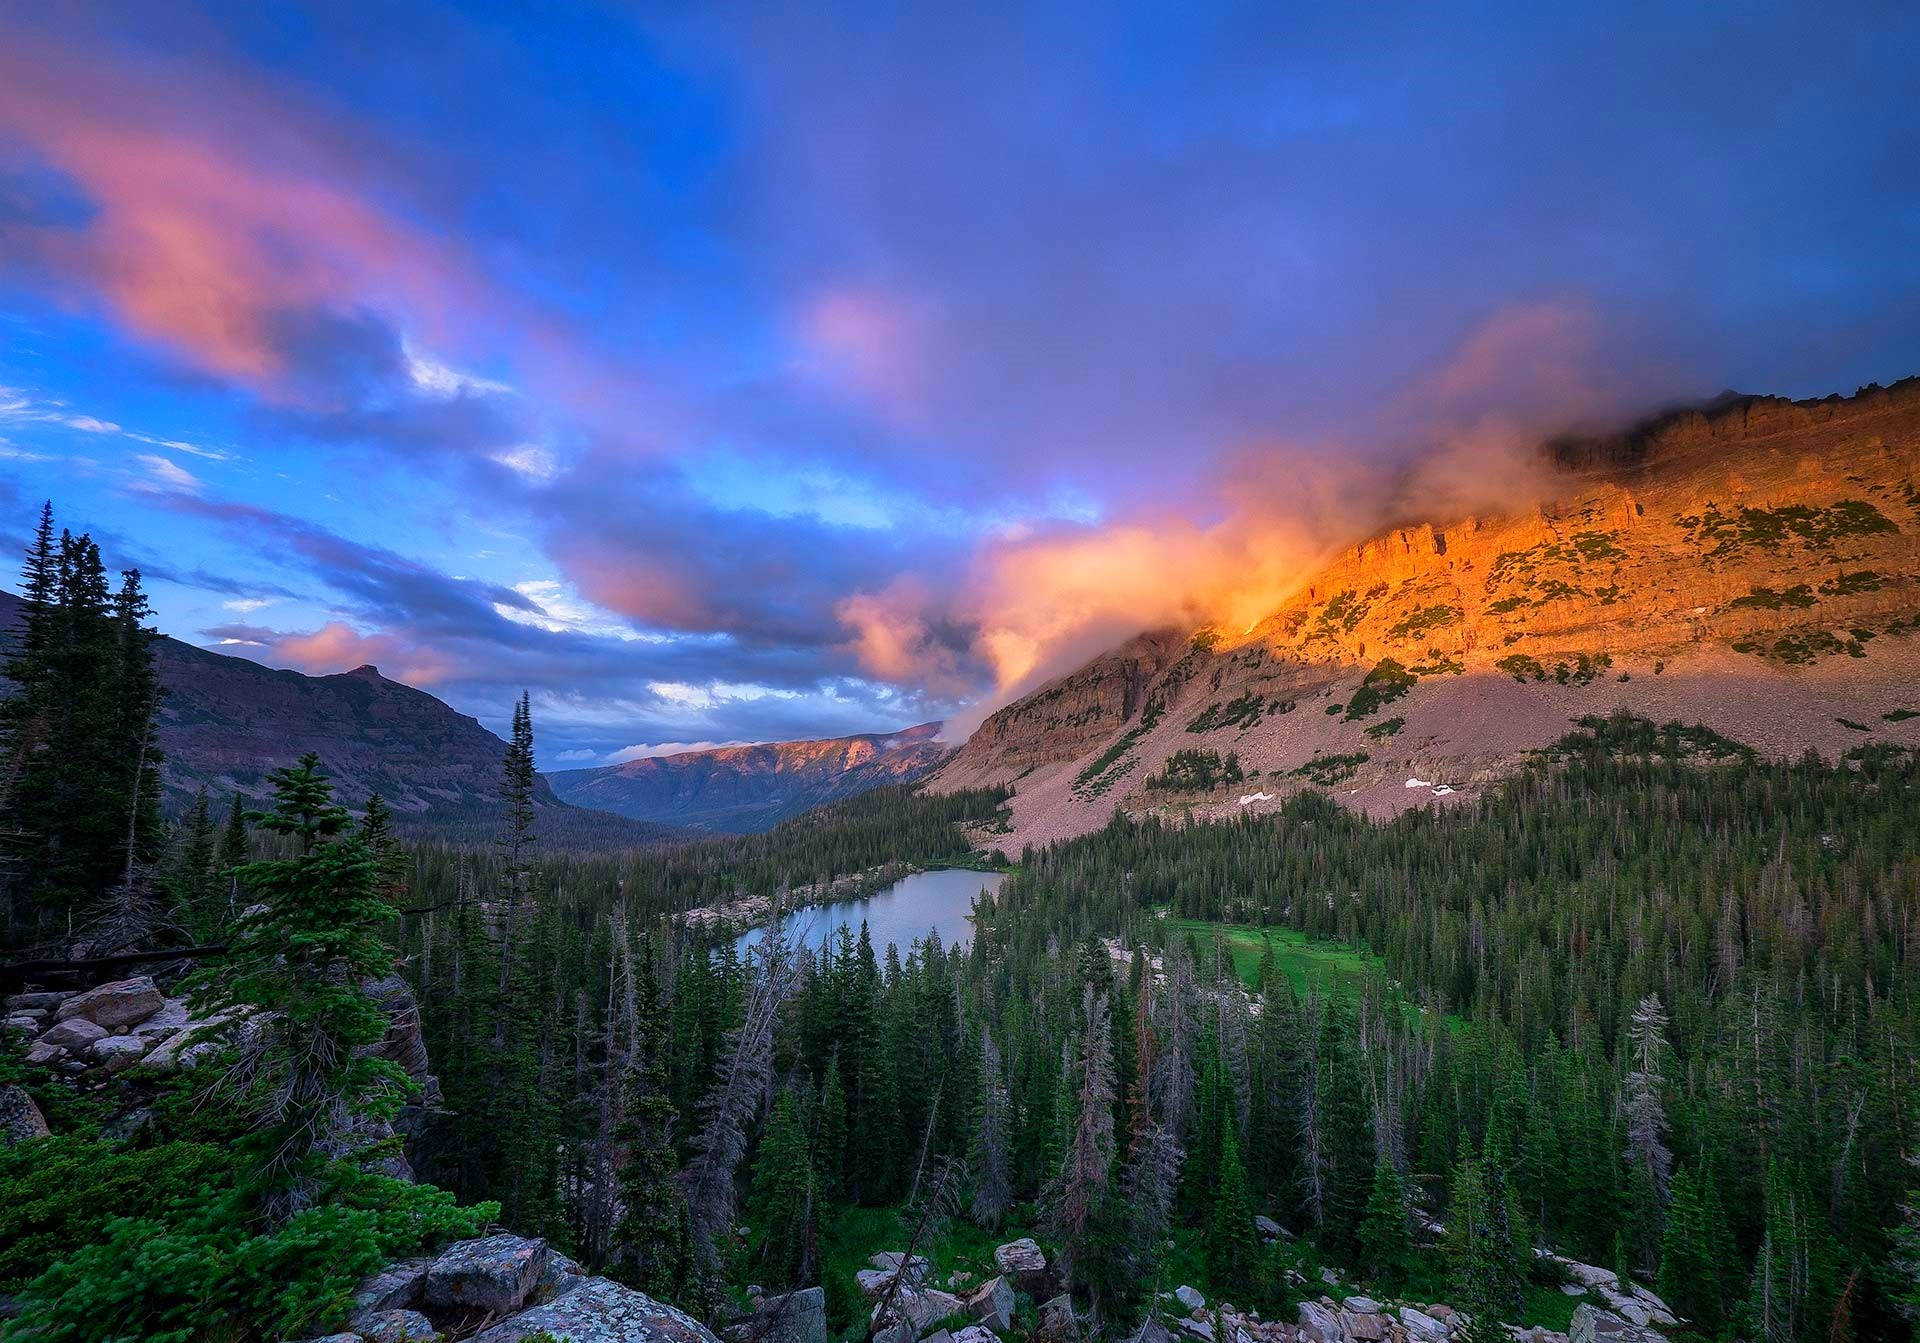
(1388, 681)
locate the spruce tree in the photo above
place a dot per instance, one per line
(1385, 1239)
(1232, 1247)
(782, 1202)
(299, 957)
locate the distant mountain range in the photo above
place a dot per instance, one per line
(1752, 565)
(226, 722)
(740, 789)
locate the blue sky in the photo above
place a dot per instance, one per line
(740, 372)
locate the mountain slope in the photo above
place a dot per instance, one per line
(1754, 567)
(226, 722)
(740, 789)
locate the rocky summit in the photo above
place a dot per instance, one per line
(1753, 567)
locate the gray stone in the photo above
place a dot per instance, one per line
(793, 1317)
(1022, 1263)
(395, 1287)
(1364, 1305)
(560, 1274)
(495, 1273)
(1189, 1297)
(77, 1034)
(118, 1052)
(992, 1304)
(395, 1326)
(1320, 1324)
(1593, 1325)
(923, 1307)
(1422, 1327)
(1268, 1228)
(976, 1333)
(120, 1003)
(1195, 1329)
(1591, 1277)
(20, 1118)
(127, 1126)
(1151, 1331)
(1361, 1327)
(1059, 1322)
(873, 1282)
(600, 1311)
(41, 1053)
(21, 1024)
(889, 1261)
(36, 1002)
(172, 1016)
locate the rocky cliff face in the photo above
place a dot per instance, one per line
(741, 789)
(1754, 566)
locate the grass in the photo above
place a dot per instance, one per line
(1332, 967)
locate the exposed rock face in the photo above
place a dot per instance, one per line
(1591, 1325)
(792, 1317)
(740, 789)
(395, 1326)
(992, 1304)
(601, 1311)
(1755, 568)
(494, 1273)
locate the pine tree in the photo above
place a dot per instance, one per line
(650, 1239)
(830, 1136)
(390, 860)
(1385, 1239)
(1077, 1204)
(300, 957)
(992, 1175)
(194, 884)
(782, 1201)
(1486, 1267)
(1232, 1247)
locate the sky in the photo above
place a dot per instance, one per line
(747, 372)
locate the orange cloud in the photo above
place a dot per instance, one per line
(337, 647)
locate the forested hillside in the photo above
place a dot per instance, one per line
(1629, 1038)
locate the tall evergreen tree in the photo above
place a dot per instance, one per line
(1232, 1248)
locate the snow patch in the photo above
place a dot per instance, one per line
(1255, 797)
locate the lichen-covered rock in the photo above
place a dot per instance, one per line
(1059, 1321)
(395, 1287)
(1022, 1262)
(395, 1326)
(992, 1304)
(600, 1311)
(791, 1317)
(1189, 1297)
(922, 1307)
(120, 1003)
(76, 1035)
(495, 1273)
(976, 1333)
(20, 1118)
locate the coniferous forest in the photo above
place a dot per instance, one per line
(1649, 1006)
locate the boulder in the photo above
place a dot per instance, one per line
(600, 1311)
(21, 1023)
(1200, 1330)
(172, 1016)
(1591, 1277)
(922, 1307)
(1422, 1327)
(77, 1034)
(792, 1317)
(1022, 1263)
(395, 1287)
(189, 1046)
(1319, 1324)
(1363, 1305)
(118, 1052)
(1151, 1331)
(1363, 1327)
(1268, 1228)
(120, 1003)
(495, 1273)
(36, 1002)
(1593, 1325)
(42, 1053)
(395, 1326)
(889, 1261)
(873, 1282)
(560, 1274)
(992, 1304)
(976, 1333)
(1059, 1322)
(1189, 1298)
(20, 1118)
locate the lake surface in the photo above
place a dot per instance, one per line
(938, 901)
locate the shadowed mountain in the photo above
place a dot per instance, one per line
(742, 789)
(226, 722)
(1753, 566)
